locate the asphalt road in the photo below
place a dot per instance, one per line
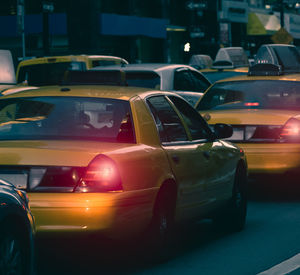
(269, 245)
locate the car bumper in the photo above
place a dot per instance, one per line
(271, 159)
(115, 214)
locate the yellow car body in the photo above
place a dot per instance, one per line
(243, 69)
(199, 174)
(272, 154)
(50, 69)
(213, 74)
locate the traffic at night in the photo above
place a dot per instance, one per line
(149, 137)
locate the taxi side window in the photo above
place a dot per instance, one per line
(183, 81)
(201, 84)
(187, 80)
(196, 124)
(167, 121)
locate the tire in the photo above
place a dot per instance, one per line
(159, 235)
(12, 252)
(238, 204)
(234, 216)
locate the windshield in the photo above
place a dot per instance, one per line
(68, 118)
(143, 79)
(191, 98)
(47, 73)
(258, 94)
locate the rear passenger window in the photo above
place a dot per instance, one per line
(196, 124)
(187, 80)
(183, 81)
(200, 83)
(167, 121)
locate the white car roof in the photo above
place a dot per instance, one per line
(164, 70)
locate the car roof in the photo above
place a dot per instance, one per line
(114, 92)
(64, 58)
(235, 69)
(286, 77)
(145, 67)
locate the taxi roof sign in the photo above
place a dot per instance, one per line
(285, 56)
(7, 70)
(265, 69)
(236, 55)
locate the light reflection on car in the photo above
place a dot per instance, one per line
(166, 77)
(263, 108)
(119, 161)
(17, 231)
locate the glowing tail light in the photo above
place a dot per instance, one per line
(291, 130)
(251, 104)
(101, 175)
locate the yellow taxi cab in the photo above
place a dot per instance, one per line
(49, 70)
(263, 109)
(118, 160)
(223, 71)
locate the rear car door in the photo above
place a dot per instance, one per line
(219, 171)
(187, 159)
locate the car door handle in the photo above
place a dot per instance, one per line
(175, 158)
(206, 154)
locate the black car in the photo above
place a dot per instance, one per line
(16, 231)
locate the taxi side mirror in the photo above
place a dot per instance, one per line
(222, 130)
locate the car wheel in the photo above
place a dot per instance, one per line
(234, 218)
(238, 211)
(12, 252)
(161, 229)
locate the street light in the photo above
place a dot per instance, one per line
(20, 23)
(47, 8)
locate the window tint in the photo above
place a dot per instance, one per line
(48, 73)
(143, 79)
(167, 121)
(200, 83)
(183, 81)
(196, 124)
(69, 118)
(288, 57)
(187, 80)
(258, 94)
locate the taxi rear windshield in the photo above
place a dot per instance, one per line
(66, 118)
(143, 79)
(47, 73)
(258, 94)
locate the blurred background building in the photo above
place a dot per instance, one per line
(145, 30)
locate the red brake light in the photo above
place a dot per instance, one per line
(251, 104)
(291, 130)
(101, 175)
